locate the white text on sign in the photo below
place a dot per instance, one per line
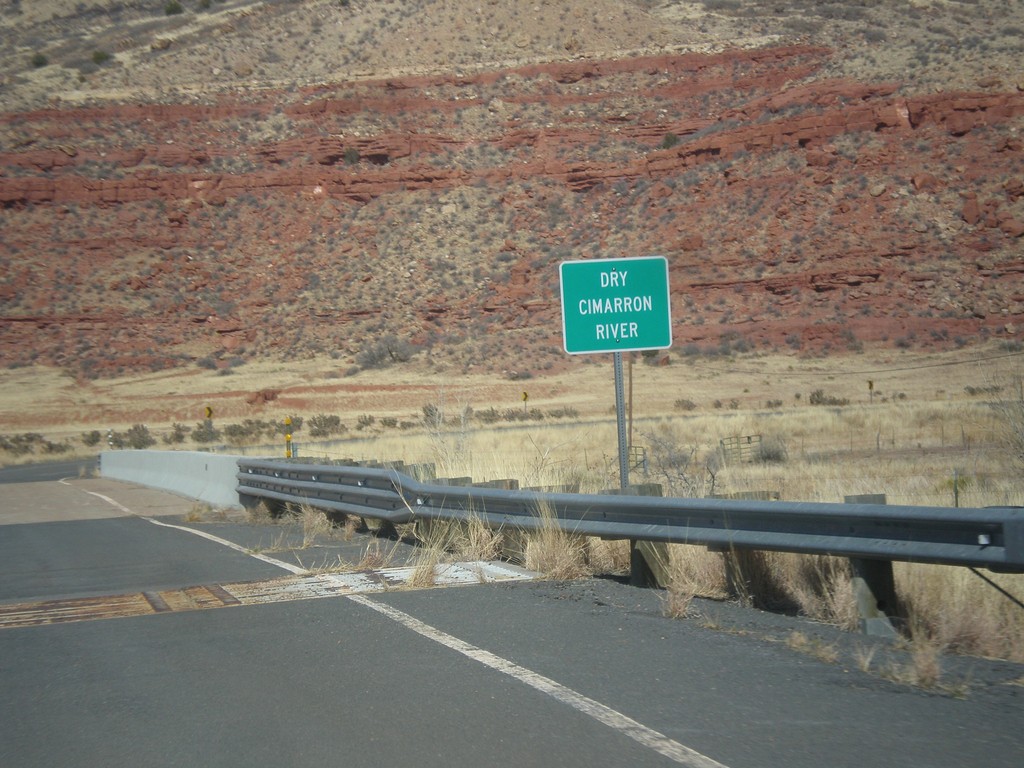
(613, 279)
(616, 330)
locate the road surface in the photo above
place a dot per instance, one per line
(149, 650)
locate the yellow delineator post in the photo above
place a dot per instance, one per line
(288, 437)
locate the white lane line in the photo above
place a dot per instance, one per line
(626, 725)
(297, 570)
(640, 733)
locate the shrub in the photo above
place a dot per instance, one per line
(564, 413)
(205, 432)
(100, 57)
(20, 444)
(173, 7)
(324, 425)
(90, 439)
(490, 416)
(432, 416)
(39, 60)
(818, 397)
(384, 351)
(772, 450)
(669, 141)
(138, 437)
(177, 435)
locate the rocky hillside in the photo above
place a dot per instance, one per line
(373, 180)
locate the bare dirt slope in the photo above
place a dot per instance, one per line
(365, 180)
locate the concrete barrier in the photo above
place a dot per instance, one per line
(196, 475)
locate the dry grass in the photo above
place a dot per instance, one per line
(696, 572)
(260, 514)
(924, 667)
(198, 513)
(556, 553)
(955, 609)
(813, 646)
(379, 553)
(314, 524)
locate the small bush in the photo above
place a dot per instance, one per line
(685, 405)
(382, 352)
(772, 450)
(205, 432)
(39, 60)
(177, 435)
(100, 57)
(173, 8)
(669, 141)
(324, 425)
(433, 417)
(818, 397)
(564, 413)
(490, 416)
(138, 437)
(90, 439)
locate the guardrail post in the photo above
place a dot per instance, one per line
(875, 592)
(874, 588)
(648, 560)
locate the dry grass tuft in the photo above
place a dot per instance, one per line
(923, 670)
(478, 541)
(349, 528)
(424, 572)
(609, 557)
(812, 646)
(676, 603)
(865, 656)
(314, 524)
(556, 553)
(755, 578)
(960, 612)
(696, 571)
(821, 587)
(260, 514)
(378, 555)
(199, 513)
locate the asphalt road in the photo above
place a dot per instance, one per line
(50, 470)
(584, 673)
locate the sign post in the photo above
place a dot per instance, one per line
(616, 305)
(620, 422)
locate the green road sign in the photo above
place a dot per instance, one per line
(615, 305)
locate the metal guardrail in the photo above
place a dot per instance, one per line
(990, 538)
